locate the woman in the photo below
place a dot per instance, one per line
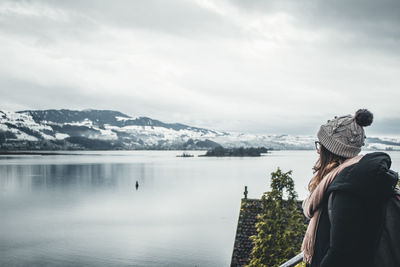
(360, 185)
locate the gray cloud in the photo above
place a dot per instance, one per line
(251, 66)
(21, 94)
(177, 17)
(386, 126)
(357, 24)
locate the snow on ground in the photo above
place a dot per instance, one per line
(106, 134)
(23, 136)
(271, 140)
(61, 136)
(118, 118)
(389, 138)
(48, 137)
(22, 119)
(377, 146)
(4, 127)
(151, 132)
(86, 122)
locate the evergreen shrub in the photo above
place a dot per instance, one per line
(280, 227)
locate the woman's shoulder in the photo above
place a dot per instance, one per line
(371, 176)
(375, 161)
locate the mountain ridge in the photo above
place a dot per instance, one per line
(91, 129)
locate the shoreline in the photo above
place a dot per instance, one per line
(44, 153)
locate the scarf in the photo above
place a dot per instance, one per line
(312, 207)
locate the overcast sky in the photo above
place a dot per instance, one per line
(244, 65)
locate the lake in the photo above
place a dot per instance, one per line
(83, 209)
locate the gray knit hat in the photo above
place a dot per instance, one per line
(344, 136)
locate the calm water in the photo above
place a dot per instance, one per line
(84, 210)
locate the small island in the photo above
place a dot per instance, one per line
(235, 152)
(185, 155)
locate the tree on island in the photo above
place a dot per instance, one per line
(236, 152)
(280, 227)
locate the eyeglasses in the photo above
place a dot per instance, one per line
(317, 145)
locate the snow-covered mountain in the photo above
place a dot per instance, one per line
(106, 129)
(96, 129)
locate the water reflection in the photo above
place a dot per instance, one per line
(15, 178)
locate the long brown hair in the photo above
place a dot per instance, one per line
(326, 162)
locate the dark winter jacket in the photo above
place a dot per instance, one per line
(359, 193)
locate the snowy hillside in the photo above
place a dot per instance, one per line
(97, 129)
(106, 129)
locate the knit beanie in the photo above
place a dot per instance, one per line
(344, 136)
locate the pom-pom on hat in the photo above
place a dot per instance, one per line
(344, 136)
